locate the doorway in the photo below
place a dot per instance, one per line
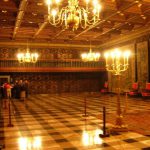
(4, 79)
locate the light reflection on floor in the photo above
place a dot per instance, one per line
(26, 143)
(90, 138)
(53, 122)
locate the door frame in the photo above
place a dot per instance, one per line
(7, 77)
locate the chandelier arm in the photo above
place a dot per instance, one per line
(117, 68)
(83, 25)
(124, 67)
(62, 18)
(110, 68)
(73, 15)
(84, 19)
(91, 21)
(58, 21)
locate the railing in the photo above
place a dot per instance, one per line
(51, 65)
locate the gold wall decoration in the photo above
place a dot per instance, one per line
(142, 63)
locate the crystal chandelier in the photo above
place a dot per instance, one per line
(72, 16)
(27, 57)
(90, 56)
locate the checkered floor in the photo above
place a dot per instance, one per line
(57, 122)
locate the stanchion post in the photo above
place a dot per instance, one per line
(85, 108)
(104, 124)
(5, 103)
(9, 113)
(2, 146)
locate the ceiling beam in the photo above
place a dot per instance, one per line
(42, 26)
(20, 15)
(122, 24)
(58, 34)
(42, 45)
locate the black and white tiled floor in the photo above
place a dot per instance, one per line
(57, 122)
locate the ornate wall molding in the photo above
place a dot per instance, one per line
(11, 44)
(127, 39)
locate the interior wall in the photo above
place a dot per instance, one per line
(41, 83)
(142, 63)
(138, 70)
(44, 53)
(45, 83)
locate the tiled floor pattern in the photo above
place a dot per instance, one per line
(57, 122)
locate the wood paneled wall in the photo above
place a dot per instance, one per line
(44, 53)
(44, 83)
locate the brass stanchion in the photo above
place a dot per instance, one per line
(4, 103)
(104, 125)
(85, 108)
(9, 113)
(2, 146)
(3, 138)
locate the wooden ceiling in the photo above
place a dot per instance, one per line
(24, 20)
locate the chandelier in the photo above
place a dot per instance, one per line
(72, 16)
(116, 61)
(27, 57)
(90, 56)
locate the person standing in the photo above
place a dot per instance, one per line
(26, 87)
(2, 91)
(8, 90)
(16, 90)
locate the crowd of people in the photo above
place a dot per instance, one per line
(14, 90)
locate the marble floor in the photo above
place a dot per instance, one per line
(58, 122)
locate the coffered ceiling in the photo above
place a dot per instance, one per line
(25, 20)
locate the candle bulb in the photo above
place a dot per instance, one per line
(106, 57)
(113, 58)
(127, 60)
(54, 12)
(127, 54)
(124, 58)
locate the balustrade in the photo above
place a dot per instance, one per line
(74, 64)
